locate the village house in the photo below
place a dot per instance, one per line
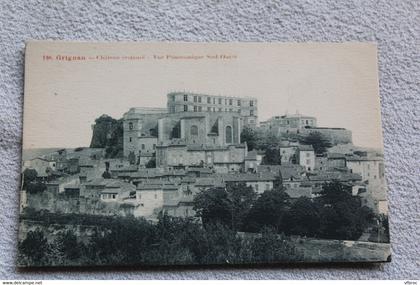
(288, 152)
(371, 170)
(43, 166)
(253, 160)
(288, 124)
(306, 157)
(260, 182)
(151, 198)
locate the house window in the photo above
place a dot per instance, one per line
(239, 102)
(220, 109)
(185, 108)
(194, 130)
(131, 139)
(195, 98)
(208, 100)
(185, 98)
(214, 100)
(230, 101)
(209, 109)
(220, 101)
(154, 146)
(200, 109)
(199, 99)
(130, 126)
(142, 146)
(195, 108)
(251, 112)
(251, 103)
(306, 121)
(228, 134)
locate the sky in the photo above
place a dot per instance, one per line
(69, 85)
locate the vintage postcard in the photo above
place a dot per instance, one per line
(201, 154)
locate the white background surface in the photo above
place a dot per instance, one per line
(394, 25)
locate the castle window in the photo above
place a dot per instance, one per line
(194, 130)
(228, 134)
(185, 108)
(185, 97)
(130, 126)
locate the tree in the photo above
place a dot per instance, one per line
(29, 175)
(35, 187)
(35, 248)
(273, 247)
(226, 206)
(268, 211)
(271, 157)
(108, 134)
(268, 141)
(132, 158)
(67, 244)
(303, 218)
(151, 163)
(106, 175)
(341, 215)
(249, 136)
(318, 141)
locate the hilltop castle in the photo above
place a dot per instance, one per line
(195, 129)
